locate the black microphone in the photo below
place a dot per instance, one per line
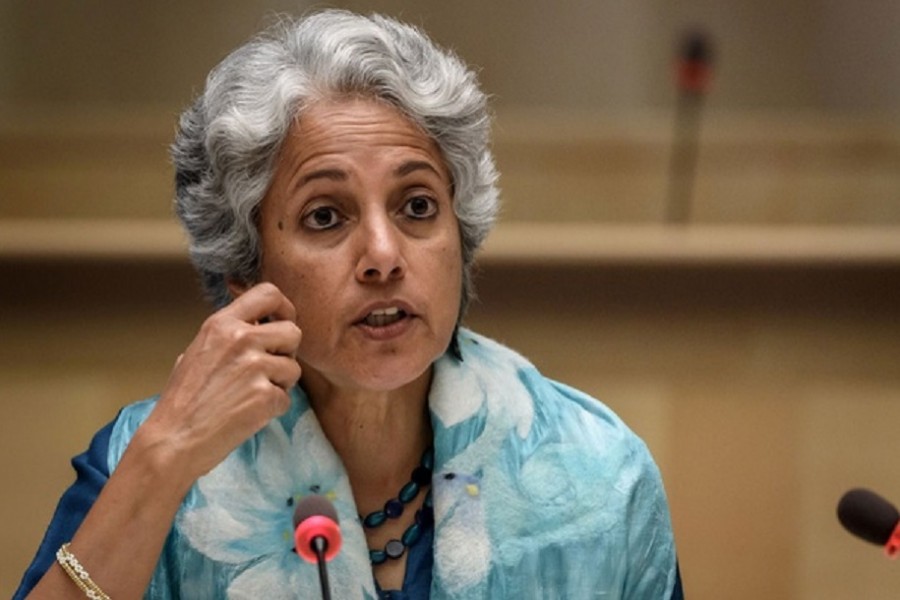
(867, 515)
(317, 535)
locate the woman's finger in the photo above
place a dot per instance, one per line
(262, 302)
(284, 371)
(279, 337)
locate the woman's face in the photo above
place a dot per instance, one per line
(358, 231)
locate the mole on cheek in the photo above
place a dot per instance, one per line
(281, 225)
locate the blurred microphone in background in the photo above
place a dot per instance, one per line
(693, 77)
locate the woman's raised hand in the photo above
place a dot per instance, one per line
(232, 380)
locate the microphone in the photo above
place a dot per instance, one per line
(695, 63)
(694, 72)
(317, 535)
(867, 515)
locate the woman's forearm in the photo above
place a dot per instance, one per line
(122, 536)
(229, 383)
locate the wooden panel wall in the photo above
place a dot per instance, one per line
(763, 394)
(764, 391)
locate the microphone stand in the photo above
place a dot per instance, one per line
(320, 545)
(317, 535)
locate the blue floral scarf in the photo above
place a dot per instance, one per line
(552, 496)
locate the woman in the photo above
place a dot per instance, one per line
(335, 181)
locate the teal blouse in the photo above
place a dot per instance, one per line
(539, 492)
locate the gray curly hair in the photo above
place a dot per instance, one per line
(227, 142)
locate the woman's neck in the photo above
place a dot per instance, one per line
(380, 436)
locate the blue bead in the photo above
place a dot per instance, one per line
(411, 535)
(421, 475)
(376, 557)
(375, 519)
(393, 508)
(428, 459)
(409, 491)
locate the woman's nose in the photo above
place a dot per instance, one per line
(381, 256)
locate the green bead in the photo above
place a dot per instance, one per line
(411, 535)
(375, 519)
(409, 491)
(428, 459)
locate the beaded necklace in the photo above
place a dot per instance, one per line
(393, 509)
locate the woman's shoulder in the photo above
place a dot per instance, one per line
(542, 407)
(492, 359)
(603, 439)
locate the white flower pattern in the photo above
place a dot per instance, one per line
(539, 492)
(245, 515)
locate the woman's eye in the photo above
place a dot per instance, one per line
(323, 217)
(420, 207)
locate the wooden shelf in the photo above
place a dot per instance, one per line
(91, 240)
(512, 243)
(699, 244)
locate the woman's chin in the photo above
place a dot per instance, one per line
(386, 376)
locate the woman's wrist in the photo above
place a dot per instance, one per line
(159, 464)
(78, 574)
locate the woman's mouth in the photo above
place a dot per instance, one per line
(383, 317)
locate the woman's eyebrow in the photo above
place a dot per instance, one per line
(332, 174)
(415, 165)
(340, 175)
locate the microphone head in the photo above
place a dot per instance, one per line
(694, 68)
(310, 506)
(315, 518)
(867, 515)
(697, 47)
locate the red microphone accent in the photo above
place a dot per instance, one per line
(694, 68)
(694, 76)
(892, 546)
(311, 528)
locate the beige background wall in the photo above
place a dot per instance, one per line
(613, 54)
(765, 379)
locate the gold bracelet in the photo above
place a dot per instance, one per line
(78, 574)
